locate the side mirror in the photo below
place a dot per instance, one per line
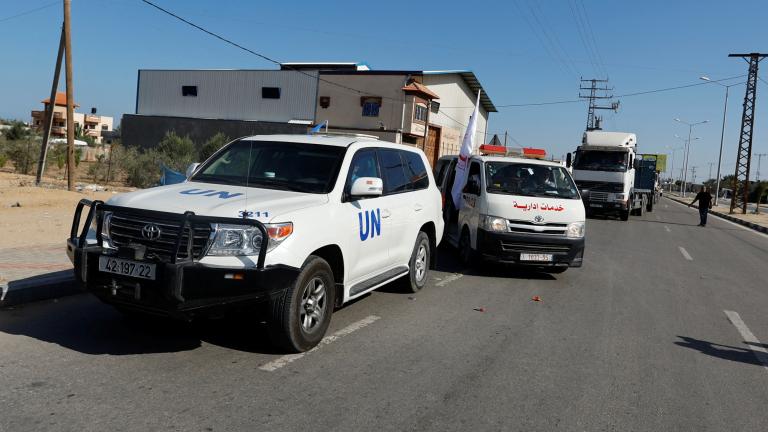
(472, 187)
(191, 169)
(568, 160)
(367, 187)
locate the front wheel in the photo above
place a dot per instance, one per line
(624, 215)
(466, 254)
(419, 264)
(301, 315)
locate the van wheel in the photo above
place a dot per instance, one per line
(466, 254)
(624, 215)
(419, 264)
(301, 315)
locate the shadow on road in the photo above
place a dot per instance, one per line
(82, 324)
(726, 352)
(448, 261)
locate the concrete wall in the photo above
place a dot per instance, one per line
(345, 110)
(454, 92)
(147, 131)
(227, 94)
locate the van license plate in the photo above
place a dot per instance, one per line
(125, 267)
(596, 205)
(536, 257)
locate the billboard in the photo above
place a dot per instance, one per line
(661, 161)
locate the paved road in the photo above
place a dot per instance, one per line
(637, 340)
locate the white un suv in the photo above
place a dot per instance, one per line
(305, 223)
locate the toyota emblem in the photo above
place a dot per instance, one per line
(150, 231)
(538, 219)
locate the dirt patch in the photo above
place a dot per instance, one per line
(31, 215)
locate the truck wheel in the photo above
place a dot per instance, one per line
(419, 264)
(641, 209)
(624, 215)
(466, 254)
(301, 314)
(649, 206)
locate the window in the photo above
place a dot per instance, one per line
(270, 92)
(434, 107)
(189, 90)
(395, 179)
(104, 127)
(325, 101)
(297, 167)
(473, 176)
(440, 169)
(364, 164)
(416, 171)
(420, 112)
(371, 106)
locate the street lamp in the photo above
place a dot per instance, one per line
(722, 132)
(688, 148)
(686, 143)
(672, 165)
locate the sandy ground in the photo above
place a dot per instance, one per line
(45, 213)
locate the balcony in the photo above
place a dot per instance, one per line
(92, 119)
(57, 115)
(58, 130)
(92, 132)
(38, 114)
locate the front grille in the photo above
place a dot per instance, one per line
(593, 186)
(125, 229)
(598, 196)
(535, 248)
(533, 228)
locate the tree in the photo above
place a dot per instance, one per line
(213, 144)
(17, 131)
(176, 152)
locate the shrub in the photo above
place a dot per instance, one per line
(141, 168)
(23, 153)
(175, 151)
(213, 144)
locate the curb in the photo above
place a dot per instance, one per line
(754, 226)
(35, 288)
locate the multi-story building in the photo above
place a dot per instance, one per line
(92, 125)
(428, 109)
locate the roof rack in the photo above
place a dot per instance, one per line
(347, 134)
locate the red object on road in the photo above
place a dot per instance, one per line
(536, 298)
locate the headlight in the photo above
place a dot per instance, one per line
(619, 197)
(575, 230)
(106, 220)
(240, 240)
(493, 223)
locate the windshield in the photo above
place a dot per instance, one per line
(595, 160)
(529, 180)
(297, 167)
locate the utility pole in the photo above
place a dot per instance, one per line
(593, 122)
(744, 155)
(693, 176)
(70, 96)
(759, 159)
(709, 176)
(49, 113)
(505, 138)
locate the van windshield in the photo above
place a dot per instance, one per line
(298, 167)
(529, 180)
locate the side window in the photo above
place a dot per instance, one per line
(440, 170)
(395, 179)
(364, 164)
(473, 177)
(415, 170)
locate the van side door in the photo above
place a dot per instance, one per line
(469, 214)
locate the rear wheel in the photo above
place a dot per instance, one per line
(301, 314)
(419, 264)
(624, 215)
(649, 206)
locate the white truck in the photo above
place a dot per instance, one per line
(301, 223)
(604, 169)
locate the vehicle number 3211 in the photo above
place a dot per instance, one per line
(126, 267)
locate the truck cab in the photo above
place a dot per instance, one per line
(515, 209)
(604, 168)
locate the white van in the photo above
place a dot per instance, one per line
(516, 210)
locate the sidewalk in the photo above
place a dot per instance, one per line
(35, 273)
(758, 222)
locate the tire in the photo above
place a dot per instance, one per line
(418, 264)
(300, 316)
(641, 209)
(649, 206)
(555, 270)
(466, 254)
(624, 215)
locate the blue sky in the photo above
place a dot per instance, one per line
(522, 50)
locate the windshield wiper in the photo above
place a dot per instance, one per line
(216, 179)
(276, 184)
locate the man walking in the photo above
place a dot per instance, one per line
(705, 203)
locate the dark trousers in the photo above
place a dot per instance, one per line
(703, 215)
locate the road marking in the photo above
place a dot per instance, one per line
(685, 253)
(752, 342)
(290, 358)
(449, 279)
(666, 205)
(667, 228)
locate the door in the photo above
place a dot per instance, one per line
(366, 221)
(432, 147)
(470, 208)
(399, 203)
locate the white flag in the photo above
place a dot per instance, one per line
(467, 147)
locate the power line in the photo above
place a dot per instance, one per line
(20, 14)
(591, 35)
(582, 37)
(552, 54)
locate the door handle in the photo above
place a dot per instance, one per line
(418, 207)
(386, 213)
